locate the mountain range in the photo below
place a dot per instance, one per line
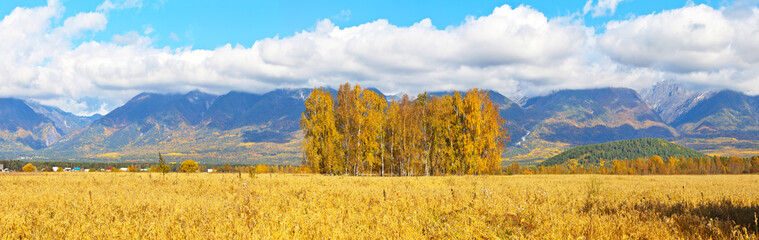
(240, 127)
(27, 125)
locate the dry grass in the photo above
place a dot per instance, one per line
(180, 206)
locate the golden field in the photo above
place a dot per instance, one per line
(282, 206)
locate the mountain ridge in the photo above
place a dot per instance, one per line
(262, 125)
(670, 99)
(27, 125)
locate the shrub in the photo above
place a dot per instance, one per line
(189, 166)
(29, 168)
(161, 167)
(226, 168)
(262, 169)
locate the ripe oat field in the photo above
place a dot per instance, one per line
(281, 206)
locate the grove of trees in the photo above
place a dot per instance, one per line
(654, 165)
(359, 133)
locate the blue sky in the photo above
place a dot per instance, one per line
(91, 56)
(210, 24)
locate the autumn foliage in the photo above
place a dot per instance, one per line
(29, 168)
(654, 165)
(359, 133)
(189, 166)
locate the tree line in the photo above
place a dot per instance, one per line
(648, 166)
(185, 166)
(358, 132)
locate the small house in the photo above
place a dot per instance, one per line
(55, 169)
(68, 169)
(124, 169)
(210, 170)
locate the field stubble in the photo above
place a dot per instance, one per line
(280, 206)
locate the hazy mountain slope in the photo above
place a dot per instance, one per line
(669, 99)
(188, 109)
(252, 127)
(229, 110)
(23, 129)
(513, 114)
(65, 121)
(15, 114)
(278, 110)
(593, 116)
(206, 126)
(145, 120)
(726, 113)
(137, 109)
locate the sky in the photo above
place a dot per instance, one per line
(91, 56)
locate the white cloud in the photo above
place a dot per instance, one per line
(602, 7)
(516, 51)
(108, 5)
(689, 39)
(131, 38)
(344, 15)
(82, 22)
(509, 48)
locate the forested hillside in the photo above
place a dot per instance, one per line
(624, 150)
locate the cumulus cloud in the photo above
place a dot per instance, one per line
(696, 42)
(602, 7)
(514, 50)
(509, 48)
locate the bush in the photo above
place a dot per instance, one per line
(162, 167)
(262, 169)
(226, 168)
(189, 166)
(29, 168)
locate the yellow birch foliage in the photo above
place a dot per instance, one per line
(321, 141)
(457, 134)
(29, 168)
(349, 121)
(374, 107)
(189, 166)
